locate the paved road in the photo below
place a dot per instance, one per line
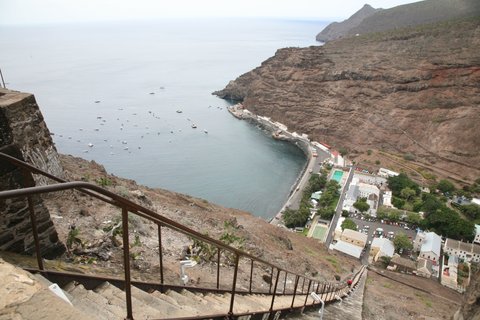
(293, 202)
(338, 212)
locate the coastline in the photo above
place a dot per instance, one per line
(280, 132)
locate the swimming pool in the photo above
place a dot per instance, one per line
(337, 175)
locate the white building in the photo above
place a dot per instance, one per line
(429, 245)
(468, 252)
(387, 173)
(359, 189)
(387, 199)
(381, 247)
(477, 234)
(348, 248)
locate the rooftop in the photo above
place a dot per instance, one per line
(352, 234)
(348, 248)
(432, 243)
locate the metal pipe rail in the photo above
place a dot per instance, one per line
(161, 221)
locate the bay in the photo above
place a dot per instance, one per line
(118, 86)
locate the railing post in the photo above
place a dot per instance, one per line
(285, 283)
(295, 290)
(251, 276)
(275, 289)
(303, 284)
(3, 81)
(160, 252)
(234, 285)
(271, 280)
(218, 268)
(308, 290)
(318, 285)
(126, 263)
(33, 221)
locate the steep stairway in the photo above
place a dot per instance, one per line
(108, 302)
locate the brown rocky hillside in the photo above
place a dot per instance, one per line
(414, 91)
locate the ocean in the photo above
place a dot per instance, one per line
(128, 94)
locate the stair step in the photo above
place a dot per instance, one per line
(187, 310)
(117, 297)
(164, 309)
(94, 304)
(187, 298)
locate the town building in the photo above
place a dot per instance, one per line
(428, 244)
(387, 199)
(348, 248)
(354, 237)
(424, 268)
(450, 273)
(357, 190)
(381, 247)
(400, 264)
(387, 173)
(468, 252)
(477, 234)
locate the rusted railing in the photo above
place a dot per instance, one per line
(126, 206)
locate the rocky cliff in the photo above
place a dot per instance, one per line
(414, 91)
(368, 20)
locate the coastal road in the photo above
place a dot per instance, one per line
(313, 166)
(338, 212)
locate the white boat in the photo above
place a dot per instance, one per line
(205, 130)
(194, 126)
(90, 144)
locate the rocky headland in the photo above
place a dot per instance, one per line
(411, 94)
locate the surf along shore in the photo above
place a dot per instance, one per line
(314, 152)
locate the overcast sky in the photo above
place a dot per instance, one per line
(55, 11)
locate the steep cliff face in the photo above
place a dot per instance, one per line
(412, 91)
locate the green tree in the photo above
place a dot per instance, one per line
(445, 186)
(401, 241)
(414, 218)
(348, 224)
(361, 205)
(398, 203)
(471, 210)
(326, 213)
(407, 193)
(394, 215)
(400, 182)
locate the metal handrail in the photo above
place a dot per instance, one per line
(130, 206)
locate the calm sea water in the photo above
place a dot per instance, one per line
(118, 86)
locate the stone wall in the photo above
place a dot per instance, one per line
(21, 123)
(24, 135)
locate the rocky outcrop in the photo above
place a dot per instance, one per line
(411, 91)
(24, 135)
(368, 20)
(337, 30)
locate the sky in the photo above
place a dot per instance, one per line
(60, 11)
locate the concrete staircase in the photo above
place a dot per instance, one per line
(350, 307)
(108, 302)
